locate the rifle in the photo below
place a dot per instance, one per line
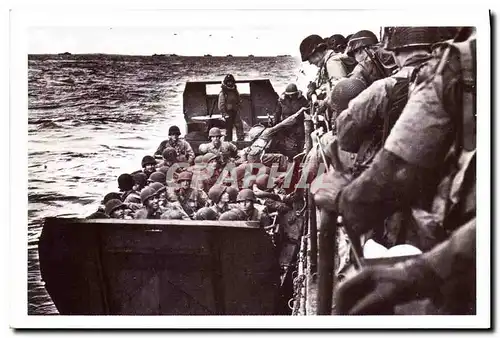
(327, 251)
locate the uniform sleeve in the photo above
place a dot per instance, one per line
(457, 255)
(277, 112)
(423, 133)
(363, 111)
(386, 186)
(222, 102)
(189, 152)
(161, 147)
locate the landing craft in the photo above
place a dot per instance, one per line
(164, 267)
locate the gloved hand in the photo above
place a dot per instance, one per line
(311, 88)
(376, 290)
(326, 189)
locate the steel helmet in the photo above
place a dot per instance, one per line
(146, 194)
(233, 193)
(245, 195)
(125, 182)
(396, 38)
(112, 205)
(310, 45)
(336, 42)
(157, 187)
(141, 179)
(344, 91)
(291, 89)
(198, 159)
(229, 216)
(185, 176)
(109, 196)
(240, 214)
(215, 192)
(164, 170)
(148, 160)
(158, 176)
(174, 130)
(214, 132)
(169, 154)
(359, 40)
(172, 214)
(209, 157)
(206, 214)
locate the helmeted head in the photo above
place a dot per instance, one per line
(229, 81)
(157, 176)
(343, 92)
(232, 194)
(312, 49)
(125, 182)
(149, 198)
(229, 216)
(206, 214)
(157, 186)
(215, 193)
(215, 136)
(358, 42)
(246, 199)
(291, 91)
(163, 169)
(184, 179)
(211, 160)
(116, 209)
(169, 155)
(109, 196)
(173, 133)
(140, 181)
(149, 164)
(337, 43)
(172, 214)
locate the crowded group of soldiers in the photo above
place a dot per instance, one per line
(385, 137)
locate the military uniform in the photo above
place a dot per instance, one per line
(191, 199)
(226, 150)
(364, 125)
(183, 149)
(260, 216)
(144, 213)
(229, 106)
(331, 71)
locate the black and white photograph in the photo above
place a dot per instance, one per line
(285, 168)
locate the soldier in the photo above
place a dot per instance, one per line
(427, 165)
(220, 200)
(116, 209)
(182, 148)
(148, 164)
(169, 158)
(191, 199)
(246, 199)
(157, 176)
(338, 43)
(229, 106)
(363, 127)
(151, 209)
(225, 150)
(291, 139)
(126, 185)
(373, 62)
(140, 181)
(330, 66)
(100, 212)
(206, 214)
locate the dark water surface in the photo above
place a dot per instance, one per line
(93, 117)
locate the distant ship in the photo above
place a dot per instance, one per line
(65, 53)
(229, 56)
(207, 55)
(284, 55)
(159, 55)
(251, 56)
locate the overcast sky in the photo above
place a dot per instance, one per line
(190, 32)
